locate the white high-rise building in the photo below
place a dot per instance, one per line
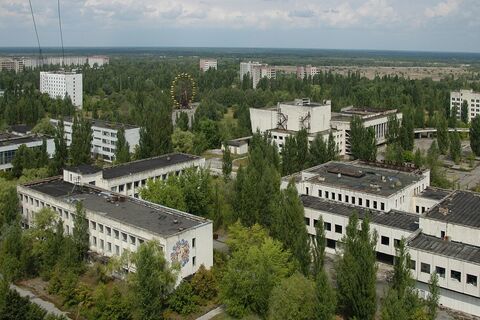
(256, 71)
(206, 64)
(62, 84)
(472, 98)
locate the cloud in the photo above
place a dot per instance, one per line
(301, 13)
(443, 9)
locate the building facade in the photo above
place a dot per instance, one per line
(128, 178)
(118, 223)
(104, 137)
(62, 84)
(206, 64)
(256, 71)
(9, 144)
(472, 98)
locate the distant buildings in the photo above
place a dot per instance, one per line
(61, 84)
(306, 71)
(104, 136)
(287, 118)
(472, 98)
(441, 227)
(206, 64)
(10, 142)
(18, 64)
(256, 71)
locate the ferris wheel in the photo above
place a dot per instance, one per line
(183, 91)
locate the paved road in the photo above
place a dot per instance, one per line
(46, 305)
(211, 314)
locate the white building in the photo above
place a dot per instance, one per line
(206, 64)
(35, 62)
(118, 223)
(307, 71)
(471, 97)
(11, 64)
(128, 178)
(104, 136)
(256, 71)
(9, 144)
(62, 84)
(441, 227)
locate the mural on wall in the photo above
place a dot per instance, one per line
(181, 252)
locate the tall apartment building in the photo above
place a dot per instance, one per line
(306, 71)
(104, 136)
(11, 64)
(61, 84)
(441, 227)
(472, 98)
(256, 71)
(206, 64)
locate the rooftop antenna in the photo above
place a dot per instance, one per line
(61, 33)
(36, 33)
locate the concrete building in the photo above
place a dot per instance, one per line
(256, 71)
(441, 227)
(61, 84)
(11, 64)
(128, 178)
(10, 142)
(307, 71)
(238, 146)
(118, 223)
(471, 97)
(68, 61)
(206, 64)
(104, 136)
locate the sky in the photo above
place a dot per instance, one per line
(423, 25)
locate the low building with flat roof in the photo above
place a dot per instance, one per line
(118, 223)
(128, 178)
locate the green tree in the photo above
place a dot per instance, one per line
(289, 227)
(183, 141)
(226, 161)
(455, 147)
(182, 121)
(332, 150)
(44, 127)
(24, 159)
(81, 146)
(464, 111)
(156, 132)
(293, 298)
(289, 156)
(302, 149)
(60, 157)
(433, 297)
(9, 209)
(418, 158)
(41, 155)
(442, 135)
(165, 192)
(152, 282)
(122, 148)
(356, 270)
(394, 154)
(80, 232)
(12, 253)
(258, 263)
(393, 131)
(475, 136)
(318, 151)
(363, 143)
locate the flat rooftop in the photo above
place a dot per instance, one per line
(134, 212)
(9, 139)
(450, 249)
(434, 193)
(395, 219)
(309, 104)
(84, 169)
(104, 124)
(364, 178)
(460, 207)
(147, 164)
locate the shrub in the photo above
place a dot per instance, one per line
(204, 283)
(183, 300)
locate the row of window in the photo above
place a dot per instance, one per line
(141, 183)
(454, 275)
(348, 199)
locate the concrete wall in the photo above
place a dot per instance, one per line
(263, 119)
(455, 232)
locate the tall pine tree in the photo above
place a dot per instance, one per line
(81, 146)
(156, 133)
(60, 157)
(122, 152)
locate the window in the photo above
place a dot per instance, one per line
(455, 275)
(101, 244)
(133, 240)
(396, 242)
(382, 206)
(94, 241)
(194, 261)
(360, 200)
(135, 184)
(109, 246)
(307, 221)
(374, 204)
(193, 243)
(307, 190)
(440, 271)
(367, 203)
(471, 279)
(109, 231)
(319, 193)
(129, 186)
(385, 241)
(339, 197)
(124, 237)
(338, 228)
(425, 267)
(121, 188)
(116, 233)
(333, 195)
(327, 226)
(100, 227)
(346, 199)
(353, 200)
(326, 194)
(442, 234)
(117, 250)
(94, 225)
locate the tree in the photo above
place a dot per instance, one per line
(363, 143)
(418, 158)
(122, 148)
(182, 121)
(455, 147)
(464, 111)
(165, 192)
(156, 132)
(8, 206)
(393, 131)
(289, 156)
(442, 135)
(318, 151)
(318, 247)
(60, 156)
(332, 150)
(183, 141)
(153, 280)
(80, 232)
(406, 133)
(289, 227)
(356, 270)
(475, 136)
(24, 158)
(302, 149)
(41, 155)
(257, 264)
(226, 161)
(394, 154)
(433, 297)
(293, 298)
(80, 148)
